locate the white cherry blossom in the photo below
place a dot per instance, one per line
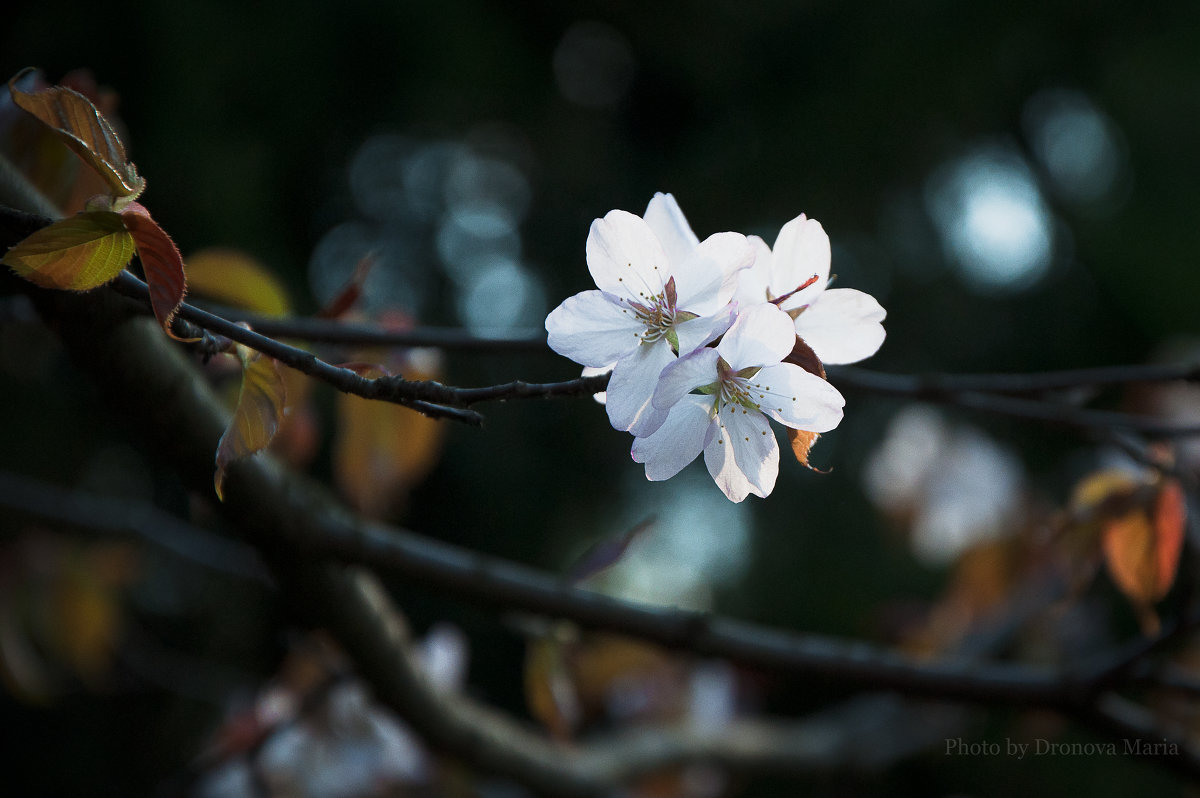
(661, 293)
(741, 383)
(842, 325)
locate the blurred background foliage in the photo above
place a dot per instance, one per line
(1016, 183)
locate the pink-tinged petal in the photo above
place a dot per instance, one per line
(707, 279)
(672, 228)
(625, 258)
(753, 281)
(596, 371)
(843, 326)
(593, 330)
(763, 335)
(684, 375)
(796, 398)
(632, 385)
(677, 442)
(743, 456)
(695, 333)
(801, 251)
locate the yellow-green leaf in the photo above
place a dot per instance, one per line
(75, 254)
(257, 416)
(234, 278)
(85, 130)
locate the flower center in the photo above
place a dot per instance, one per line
(734, 387)
(658, 316)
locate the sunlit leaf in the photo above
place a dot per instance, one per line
(802, 441)
(75, 254)
(161, 261)
(257, 416)
(1142, 548)
(85, 130)
(381, 449)
(234, 278)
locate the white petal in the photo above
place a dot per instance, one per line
(842, 326)
(706, 280)
(743, 457)
(632, 386)
(800, 252)
(792, 396)
(592, 329)
(673, 231)
(684, 375)
(625, 258)
(596, 371)
(677, 442)
(695, 333)
(753, 281)
(763, 335)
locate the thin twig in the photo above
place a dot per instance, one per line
(329, 331)
(928, 385)
(345, 380)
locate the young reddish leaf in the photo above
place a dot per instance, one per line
(234, 278)
(351, 291)
(40, 154)
(257, 416)
(75, 254)
(161, 262)
(85, 130)
(802, 355)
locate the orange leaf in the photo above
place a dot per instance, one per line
(802, 443)
(85, 130)
(161, 262)
(75, 254)
(235, 278)
(1142, 548)
(1170, 521)
(257, 416)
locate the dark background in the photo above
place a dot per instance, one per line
(246, 118)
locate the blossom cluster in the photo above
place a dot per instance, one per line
(700, 337)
